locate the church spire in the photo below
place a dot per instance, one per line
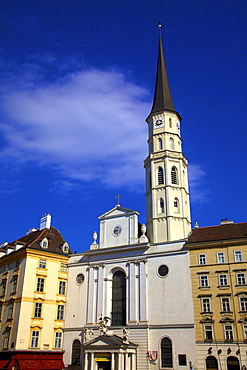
(162, 95)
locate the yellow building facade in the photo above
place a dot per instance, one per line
(218, 262)
(33, 282)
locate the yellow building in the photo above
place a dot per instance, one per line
(218, 262)
(33, 280)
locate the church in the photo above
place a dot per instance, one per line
(129, 303)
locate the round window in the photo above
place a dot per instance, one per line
(163, 270)
(117, 230)
(79, 278)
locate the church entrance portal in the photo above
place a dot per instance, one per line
(232, 363)
(104, 365)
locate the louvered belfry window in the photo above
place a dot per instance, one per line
(119, 299)
(174, 175)
(160, 176)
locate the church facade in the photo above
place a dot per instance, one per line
(129, 303)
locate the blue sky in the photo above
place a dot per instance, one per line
(77, 81)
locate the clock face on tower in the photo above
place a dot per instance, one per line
(117, 230)
(158, 122)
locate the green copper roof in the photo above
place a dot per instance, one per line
(162, 95)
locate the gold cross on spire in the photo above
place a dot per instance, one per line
(118, 199)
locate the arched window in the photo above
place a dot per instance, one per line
(162, 207)
(160, 144)
(174, 175)
(211, 363)
(233, 363)
(76, 353)
(171, 143)
(160, 176)
(166, 352)
(119, 299)
(176, 205)
(170, 122)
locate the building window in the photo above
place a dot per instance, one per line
(166, 352)
(60, 312)
(10, 311)
(76, 353)
(238, 256)
(38, 310)
(182, 361)
(225, 304)
(1, 311)
(220, 257)
(243, 303)
(208, 332)
(14, 286)
(6, 339)
(228, 332)
(119, 299)
(42, 264)
(245, 331)
(62, 286)
(40, 285)
(223, 279)
(211, 363)
(202, 259)
(65, 247)
(171, 143)
(160, 144)
(160, 176)
(35, 339)
(3, 287)
(240, 277)
(204, 281)
(58, 339)
(170, 122)
(44, 243)
(63, 267)
(206, 305)
(162, 206)
(174, 175)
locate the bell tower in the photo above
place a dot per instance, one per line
(167, 191)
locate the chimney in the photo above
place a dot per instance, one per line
(45, 222)
(225, 221)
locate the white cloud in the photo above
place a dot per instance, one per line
(198, 192)
(89, 124)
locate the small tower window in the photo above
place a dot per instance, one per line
(176, 205)
(160, 144)
(162, 207)
(150, 180)
(160, 176)
(170, 122)
(174, 175)
(171, 143)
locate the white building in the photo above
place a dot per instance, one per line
(129, 303)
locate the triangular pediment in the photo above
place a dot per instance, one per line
(105, 341)
(118, 211)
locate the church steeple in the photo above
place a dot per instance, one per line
(167, 190)
(162, 94)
